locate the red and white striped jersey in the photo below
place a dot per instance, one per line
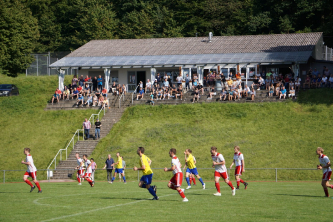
(238, 157)
(175, 162)
(324, 160)
(79, 163)
(219, 158)
(31, 167)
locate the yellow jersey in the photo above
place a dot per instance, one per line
(190, 162)
(120, 163)
(144, 161)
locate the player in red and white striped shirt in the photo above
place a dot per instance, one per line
(325, 165)
(31, 171)
(87, 175)
(240, 167)
(79, 168)
(220, 171)
(176, 181)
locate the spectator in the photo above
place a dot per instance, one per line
(105, 92)
(318, 81)
(109, 163)
(292, 93)
(313, 82)
(223, 95)
(159, 79)
(268, 74)
(307, 82)
(166, 93)
(237, 94)
(120, 89)
(230, 82)
(212, 92)
(113, 87)
(324, 81)
(240, 90)
(297, 83)
(330, 81)
(94, 83)
(152, 98)
(89, 100)
(124, 89)
(271, 90)
(80, 100)
(194, 85)
(124, 167)
(200, 88)
(81, 81)
(148, 86)
(88, 82)
(80, 89)
(277, 89)
(179, 80)
(286, 82)
(95, 100)
(255, 84)
(187, 82)
(179, 92)
(75, 93)
(99, 82)
(141, 84)
(166, 83)
(98, 125)
(93, 168)
(105, 102)
(98, 93)
(253, 94)
(231, 94)
(86, 127)
(59, 93)
(160, 93)
(283, 92)
(246, 91)
(291, 83)
(223, 78)
(268, 82)
(86, 90)
(315, 72)
(55, 96)
(141, 93)
(327, 72)
(196, 95)
(65, 93)
(169, 80)
(74, 82)
(100, 101)
(155, 86)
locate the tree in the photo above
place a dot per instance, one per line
(18, 36)
(285, 24)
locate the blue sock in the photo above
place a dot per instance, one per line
(124, 179)
(151, 191)
(143, 185)
(188, 181)
(201, 181)
(112, 179)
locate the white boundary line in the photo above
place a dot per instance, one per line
(108, 207)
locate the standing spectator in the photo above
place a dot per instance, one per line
(113, 87)
(86, 127)
(124, 89)
(159, 79)
(93, 168)
(187, 82)
(315, 72)
(74, 82)
(81, 80)
(286, 82)
(179, 80)
(98, 125)
(169, 80)
(99, 82)
(327, 72)
(94, 83)
(124, 167)
(109, 163)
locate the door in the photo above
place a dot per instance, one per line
(141, 76)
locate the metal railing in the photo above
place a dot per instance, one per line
(121, 96)
(134, 92)
(72, 141)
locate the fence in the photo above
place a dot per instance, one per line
(252, 174)
(40, 65)
(327, 53)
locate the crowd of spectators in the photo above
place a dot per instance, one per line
(314, 79)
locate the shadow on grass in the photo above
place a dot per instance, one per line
(295, 195)
(316, 96)
(131, 198)
(13, 192)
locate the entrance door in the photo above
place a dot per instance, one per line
(141, 76)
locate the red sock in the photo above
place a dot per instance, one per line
(37, 184)
(79, 179)
(173, 187)
(29, 183)
(217, 185)
(331, 186)
(242, 181)
(326, 192)
(230, 185)
(194, 181)
(181, 193)
(89, 181)
(238, 181)
(190, 180)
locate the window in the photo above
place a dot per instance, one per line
(186, 72)
(243, 73)
(252, 72)
(232, 72)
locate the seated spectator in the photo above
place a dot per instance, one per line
(253, 94)
(166, 93)
(86, 90)
(240, 90)
(100, 101)
(318, 81)
(105, 102)
(314, 82)
(55, 96)
(179, 92)
(268, 82)
(172, 89)
(89, 100)
(291, 84)
(277, 89)
(292, 93)
(124, 89)
(75, 93)
(98, 93)
(88, 81)
(141, 84)
(271, 90)
(152, 98)
(80, 100)
(140, 94)
(66, 93)
(246, 91)
(307, 82)
(324, 81)
(95, 100)
(179, 80)
(283, 92)
(80, 89)
(255, 83)
(297, 83)
(148, 86)
(238, 76)
(113, 87)
(230, 82)
(59, 93)
(105, 92)
(196, 95)
(120, 89)
(231, 94)
(330, 81)
(155, 86)
(223, 95)
(194, 85)
(159, 93)
(166, 83)
(314, 72)
(212, 93)
(236, 94)
(286, 81)
(261, 82)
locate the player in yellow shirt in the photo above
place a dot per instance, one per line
(147, 177)
(191, 168)
(119, 168)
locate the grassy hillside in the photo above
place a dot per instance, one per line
(283, 135)
(24, 123)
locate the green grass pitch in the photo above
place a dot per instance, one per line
(262, 201)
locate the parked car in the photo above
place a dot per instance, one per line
(8, 90)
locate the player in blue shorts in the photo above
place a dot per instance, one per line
(147, 177)
(119, 168)
(192, 169)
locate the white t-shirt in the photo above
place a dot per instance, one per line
(238, 157)
(148, 84)
(323, 159)
(175, 162)
(31, 167)
(79, 161)
(298, 81)
(324, 79)
(88, 169)
(179, 79)
(219, 158)
(331, 79)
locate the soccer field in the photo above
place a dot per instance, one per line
(262, 201)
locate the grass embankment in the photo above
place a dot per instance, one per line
(24, 123)
(271, 135)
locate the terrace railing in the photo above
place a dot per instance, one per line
(134, 92)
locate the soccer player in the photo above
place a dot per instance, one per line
(31, 171)
(79, 168)
(240, 166)
(147, 177)
(119, 168)
(220, 171)
(176, 181)
(192, 168)
(327, 172)
(87, 175)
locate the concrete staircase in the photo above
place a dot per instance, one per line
(66, 167)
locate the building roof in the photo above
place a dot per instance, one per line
(225, 49)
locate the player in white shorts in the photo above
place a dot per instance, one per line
(240, 166)
(327, 171)
(88, 172)
(31, 171)
(220, 171)
(79, 174)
